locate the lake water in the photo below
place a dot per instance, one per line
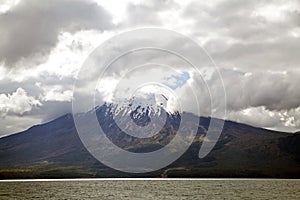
(152, 189)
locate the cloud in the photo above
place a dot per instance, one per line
(249, 35)
(255, 44)
(5, 5)
(274, 90)
(57, 93)
(146, 13)
(176, 81)
(13, 124)
(265, 99)
(30, 29)
(17, 103)
(257, 116)
(50, 90)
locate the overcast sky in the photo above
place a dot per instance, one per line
(255, 45)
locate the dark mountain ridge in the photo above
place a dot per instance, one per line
(54, 150)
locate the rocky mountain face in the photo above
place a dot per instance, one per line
(54, 149)
(112, 117)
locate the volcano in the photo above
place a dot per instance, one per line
(54, 149)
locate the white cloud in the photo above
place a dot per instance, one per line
(275, 12)
(56, 95)
(17, 103)
(3, 72)
(106, 88)
(257, 116)
(6, 5)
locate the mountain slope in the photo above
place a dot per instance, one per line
(54, 150)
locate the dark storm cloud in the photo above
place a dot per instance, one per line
(31, 28)
(275, 91)
(280, 55)
(239, 35)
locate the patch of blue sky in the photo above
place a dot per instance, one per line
(176, 81)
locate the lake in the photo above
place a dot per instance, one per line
(151, 189)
